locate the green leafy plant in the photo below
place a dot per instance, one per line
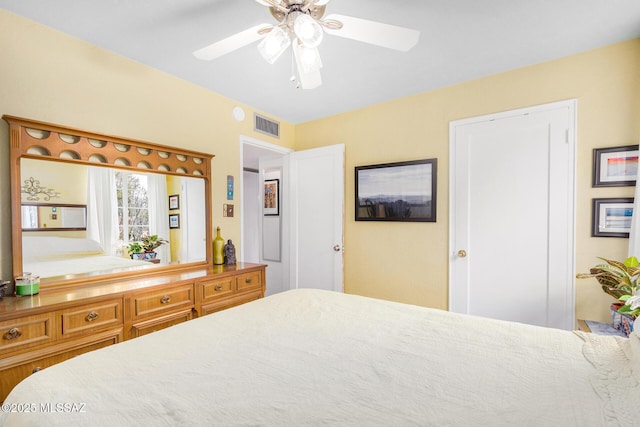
(620, 280)
(151, 242)
(147, 243)
(135, 248)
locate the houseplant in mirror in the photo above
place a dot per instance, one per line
(145, 249)
(620, 280)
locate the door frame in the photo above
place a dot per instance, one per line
(571, 138)
(263, 145)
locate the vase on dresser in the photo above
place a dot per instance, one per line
(621, 321)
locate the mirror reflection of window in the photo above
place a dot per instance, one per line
(133, 206)
(29, 217)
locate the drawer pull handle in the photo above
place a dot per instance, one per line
(91, 316)
(247, 280)
(165, 299)
(218, 287)
(36, 369)
(13, 333)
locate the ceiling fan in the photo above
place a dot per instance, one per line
(304, 21)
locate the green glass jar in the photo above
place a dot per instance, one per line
(218, 248)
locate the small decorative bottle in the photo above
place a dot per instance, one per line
(218, 248)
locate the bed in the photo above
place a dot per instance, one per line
(51, 256)
(309, 357)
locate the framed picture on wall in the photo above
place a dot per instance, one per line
(611, 217)
(271, 197)
(174, 221)
(402, 191)
(615, 166)
(174, 202)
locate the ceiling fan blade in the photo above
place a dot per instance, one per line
(277, 4)
(231, 43)
(376, 33)
(315, 2)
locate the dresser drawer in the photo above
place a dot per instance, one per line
(153, 325)
(249, 281)
(231, 302)
(91, 317)
(29, 363)
(26, 332)
(157, 302)
(217, 288)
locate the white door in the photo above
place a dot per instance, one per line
(316, 179)
(512, 215)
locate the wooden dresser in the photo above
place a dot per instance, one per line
(41, 330)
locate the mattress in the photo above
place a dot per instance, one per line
(309, 357)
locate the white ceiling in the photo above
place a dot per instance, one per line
(460, 40)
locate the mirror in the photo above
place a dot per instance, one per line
(130, 193)
(52, 217)
(99, 210)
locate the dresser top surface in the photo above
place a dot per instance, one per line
(48, 298)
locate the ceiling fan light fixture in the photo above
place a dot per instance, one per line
(274, 44)
(308, 30)
(309, 58)
(309, 76)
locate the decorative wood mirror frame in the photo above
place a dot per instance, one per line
(39, 140)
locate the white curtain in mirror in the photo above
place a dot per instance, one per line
(102, 208)
(159, 212)
(634, 234)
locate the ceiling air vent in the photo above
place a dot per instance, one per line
(264, 125)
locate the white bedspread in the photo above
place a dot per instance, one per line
(54, 266)
(308, 358)
(52, 256)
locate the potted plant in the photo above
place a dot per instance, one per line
(151, 242)
(620, 280)
(145, 249)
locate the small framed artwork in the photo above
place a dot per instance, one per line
(611, 217)
(174, 202)
(174, 221)
(402, 191)
(271, 197)
(615, 166)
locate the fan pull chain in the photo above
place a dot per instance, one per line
(293, 77)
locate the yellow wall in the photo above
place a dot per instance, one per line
(407, 262)
(175, 234)
(69, 183)
(49, 76)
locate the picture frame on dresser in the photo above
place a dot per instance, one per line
(615, 166)
(611, 217)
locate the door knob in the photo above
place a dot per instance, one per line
(336, 248)
(462, 253)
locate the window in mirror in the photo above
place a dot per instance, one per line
(133, 206)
